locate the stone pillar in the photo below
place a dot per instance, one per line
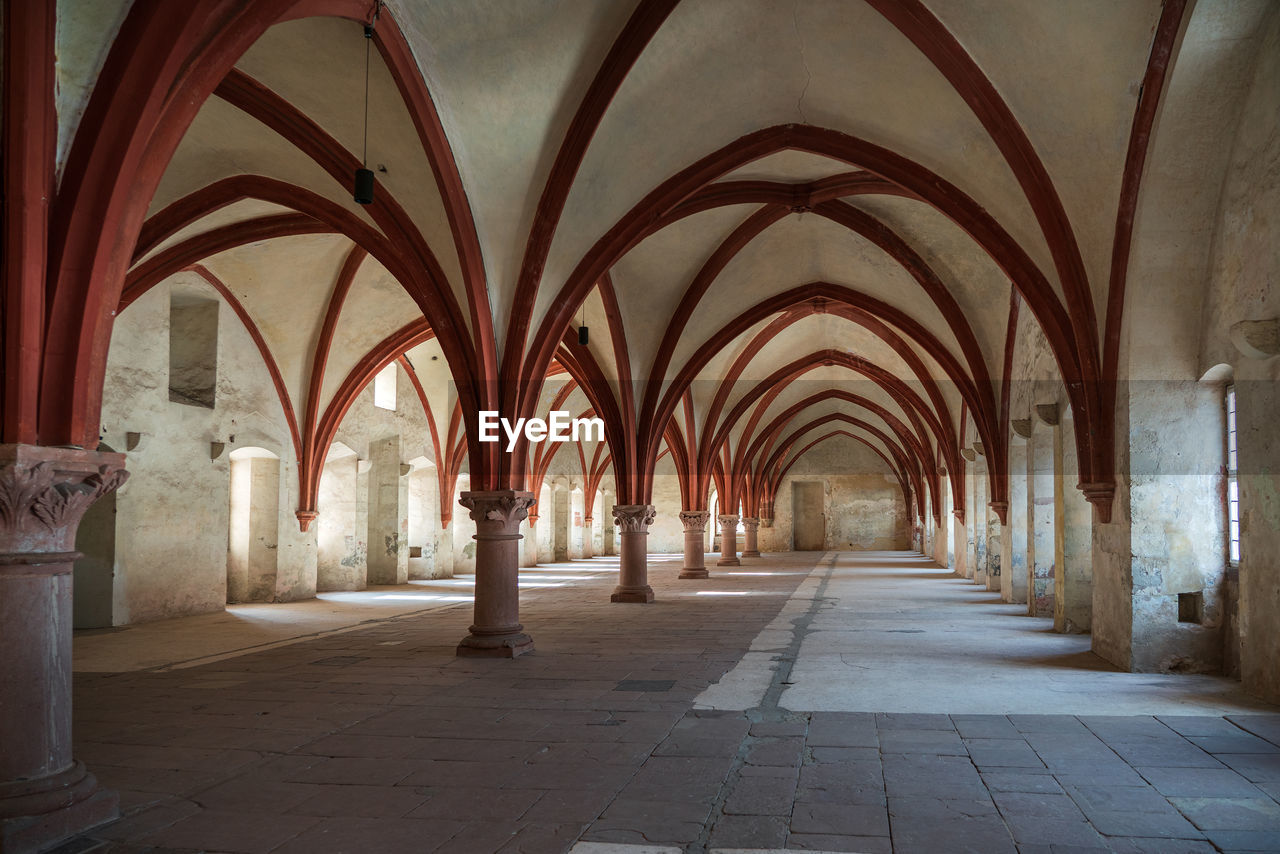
(995, 544)
(1043, 528)
(695, 533)
(45, 794)
(587, 545)
(608, 548)
(1014, 565)
(959, 546)
(560, 524)
(728, 541)
(750, 547)
(496, 632)
(633, 520)
(529, 549)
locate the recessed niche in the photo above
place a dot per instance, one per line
(193, 350)
(1191, 608)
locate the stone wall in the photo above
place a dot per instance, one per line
(863, 502)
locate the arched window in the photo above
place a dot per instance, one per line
(1233, 481)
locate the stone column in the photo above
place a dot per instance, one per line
(695, 532)
(606, 534)
(633, 521)
(529, 550)
(45, 794)
(587, 533)
(496, 632)
(728, 541)
(750, 548)
(560, 524)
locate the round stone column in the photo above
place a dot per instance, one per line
(633, 521)
(45, 794)
(496, 632)
(749, 545)
(695, 532)
(587, 544)
(728, 542)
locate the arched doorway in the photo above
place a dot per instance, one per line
(252, 544)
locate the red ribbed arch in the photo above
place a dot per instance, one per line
(896, 451)
(903, 482)
(164, 64)
(781, 302)
(914, 178)
(913, 442)
(804, 197)
(946, 439)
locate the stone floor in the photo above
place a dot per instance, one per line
(735, 713)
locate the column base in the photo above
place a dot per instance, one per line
(34, 814)
(642, 595)
(751, 554)
(700, 572)
(728, 561)
(506, 645)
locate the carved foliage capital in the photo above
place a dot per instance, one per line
(726, 519)
(750, 524)
(507, 508)
(634, 518)
(694, 521)
(41, 499)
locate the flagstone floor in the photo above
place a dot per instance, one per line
(865, 702)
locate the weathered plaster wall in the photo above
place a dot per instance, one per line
(864, 505)
(180, 468)
(1243, 286)
(666, 534)
(173, 514)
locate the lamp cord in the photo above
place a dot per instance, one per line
(364, 149)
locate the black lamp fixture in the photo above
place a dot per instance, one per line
(364, 175)
(582, 330)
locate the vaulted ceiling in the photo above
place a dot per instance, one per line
(768, 213)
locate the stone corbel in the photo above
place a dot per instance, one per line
(980, 449)
(1257, 339)
(135, 441)
(968, 454)
(405, 468)
(1101, 496)
(216, 449)
(305, 518)
(363, 466)
(1021, 427)
(1048, 413)
(1001, 509)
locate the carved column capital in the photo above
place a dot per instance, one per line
(305, 518)
(498, 512)
(766, 522)
(694, 521)
(45, 794)
(45, 491)
(634, 518)
(750, 524)
(727, 519)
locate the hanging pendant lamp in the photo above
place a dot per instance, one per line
(364, 183)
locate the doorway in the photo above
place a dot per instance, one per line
(808, 521)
